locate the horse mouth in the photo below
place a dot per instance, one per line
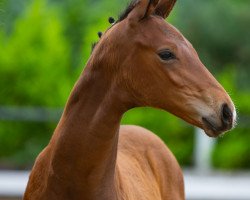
(211, 129)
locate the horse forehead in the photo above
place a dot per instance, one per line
(159, 28)
(174, 32)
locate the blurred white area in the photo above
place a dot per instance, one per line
(12, 183)
(212, 186)
(217, 186)
(203, 148)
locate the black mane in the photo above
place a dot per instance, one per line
(123, 15)
(126, 12)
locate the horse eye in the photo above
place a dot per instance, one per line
(166, 55)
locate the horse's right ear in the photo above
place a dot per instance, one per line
(141, 9)
(164, 7)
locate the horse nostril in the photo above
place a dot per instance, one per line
(227, 116)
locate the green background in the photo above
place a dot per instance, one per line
(44, 46)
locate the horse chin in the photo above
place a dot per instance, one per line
(211, 130)
(212, 133)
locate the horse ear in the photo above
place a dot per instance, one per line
(142, 9)
(164, 7)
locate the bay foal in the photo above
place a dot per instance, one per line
(140, 61)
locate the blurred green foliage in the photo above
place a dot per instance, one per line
(44, 45)
(233, 150)
(35, 55)
(219, 32)
(35, 71)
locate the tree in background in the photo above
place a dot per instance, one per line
(35, 71)
(45, 44)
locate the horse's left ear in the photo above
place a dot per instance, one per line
(141, 9)
(164, 8)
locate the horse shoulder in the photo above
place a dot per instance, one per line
(146, 167)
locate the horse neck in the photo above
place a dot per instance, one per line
(86, 138)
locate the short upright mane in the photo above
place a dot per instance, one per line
(123, 15)
(126, 12)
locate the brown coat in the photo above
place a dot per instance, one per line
(140, 61)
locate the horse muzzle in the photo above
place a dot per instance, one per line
(215, 126)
